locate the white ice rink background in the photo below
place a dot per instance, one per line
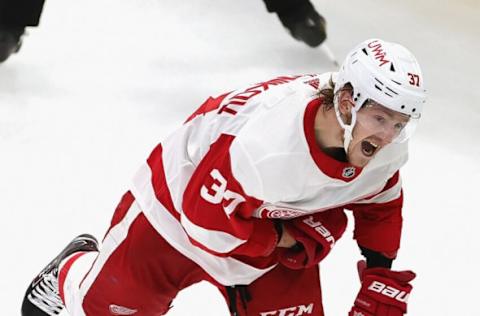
(100, 82)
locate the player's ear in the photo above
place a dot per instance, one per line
(345, 105)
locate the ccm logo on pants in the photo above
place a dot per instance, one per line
(389, 291)
(291, 311)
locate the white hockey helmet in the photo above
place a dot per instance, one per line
(386, 73)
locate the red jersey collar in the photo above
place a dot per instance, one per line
(331, 167)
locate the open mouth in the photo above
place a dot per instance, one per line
(369, 148)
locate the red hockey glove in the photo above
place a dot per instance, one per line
(315, 235)
(384, 292)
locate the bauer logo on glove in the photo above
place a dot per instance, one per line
(315, 236)
(389, 291)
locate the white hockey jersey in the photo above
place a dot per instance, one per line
(249, 155)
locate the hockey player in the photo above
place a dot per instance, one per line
(250, 194)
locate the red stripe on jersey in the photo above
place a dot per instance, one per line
(392, 181)
(328, 165)
(215, 200)
(390, 184)
(121, 210)
(159, 183)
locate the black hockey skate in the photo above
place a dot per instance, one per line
(10, 41)
(304, 23)
(42, 297)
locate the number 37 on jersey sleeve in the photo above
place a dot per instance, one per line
(217, 211)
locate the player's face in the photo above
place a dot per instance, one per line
(376, 127)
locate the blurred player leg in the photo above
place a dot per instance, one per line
(129, 275)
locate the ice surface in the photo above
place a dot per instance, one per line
(99, 83)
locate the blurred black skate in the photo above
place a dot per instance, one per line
(42, 296)
(301, 19)
(10, 40)
(305, 24)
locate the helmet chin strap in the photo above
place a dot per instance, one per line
(347, 128)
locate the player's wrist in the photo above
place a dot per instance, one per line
(286, 240)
